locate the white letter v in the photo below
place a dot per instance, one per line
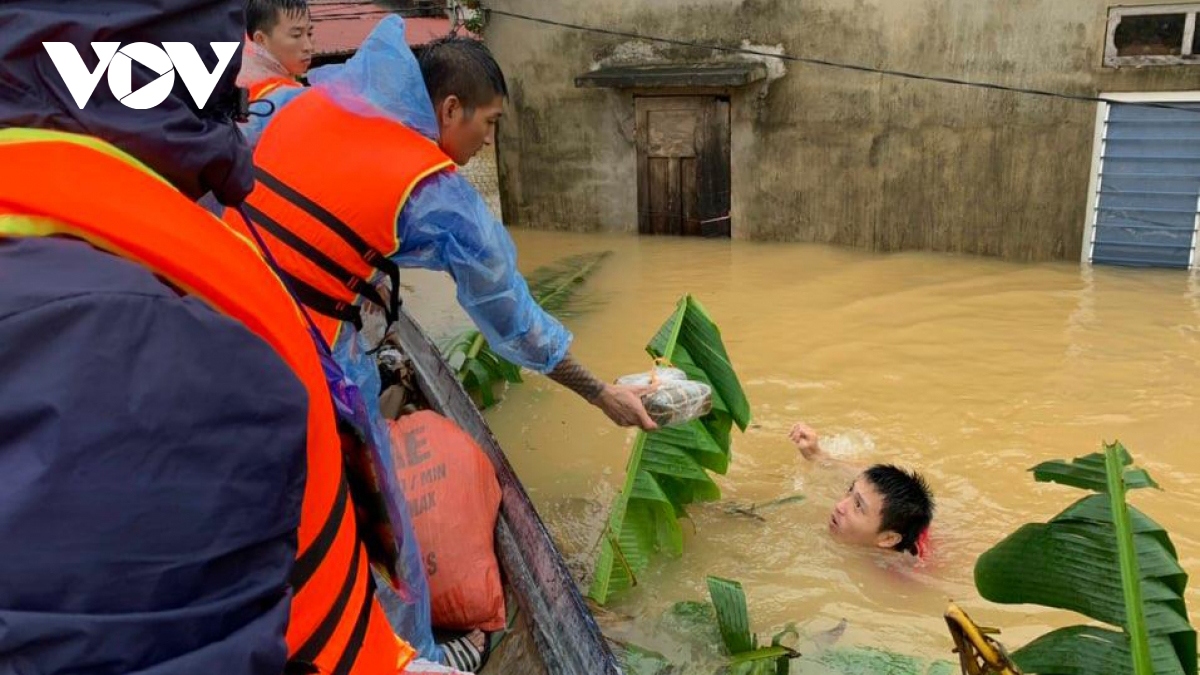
(199, 82)
(70, 66)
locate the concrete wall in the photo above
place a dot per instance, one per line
(830, 155)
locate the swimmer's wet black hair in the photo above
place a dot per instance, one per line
(907, 503)
(461, 66)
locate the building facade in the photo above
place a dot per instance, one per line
(616, 133)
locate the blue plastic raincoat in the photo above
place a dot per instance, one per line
(445, 225)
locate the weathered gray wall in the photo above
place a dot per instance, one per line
(830, 155)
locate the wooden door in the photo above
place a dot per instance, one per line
(683, 165)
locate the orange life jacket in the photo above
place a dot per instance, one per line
(263, 87)
(330, 187)
(57, 184)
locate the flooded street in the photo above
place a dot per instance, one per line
(968, 369)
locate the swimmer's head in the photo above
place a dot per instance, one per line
(885, 507)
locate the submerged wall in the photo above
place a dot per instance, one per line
(822, 154)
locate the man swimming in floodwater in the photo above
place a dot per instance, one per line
(885, 506)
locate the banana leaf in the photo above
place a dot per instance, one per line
(1089, 473)
(1108, 651)
(773, 654)
(553, 287)
(733, 617)
(668, 469)
(1105, 560)
(478, 368)
(733, 620)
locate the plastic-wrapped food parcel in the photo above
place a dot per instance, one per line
(675, 399)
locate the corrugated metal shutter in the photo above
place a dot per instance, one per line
(1149, 187)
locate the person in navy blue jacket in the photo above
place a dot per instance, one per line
(152, 450)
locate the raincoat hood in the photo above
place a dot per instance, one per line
(382, 79)
(259, 64)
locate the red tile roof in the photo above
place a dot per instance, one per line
(340, 27)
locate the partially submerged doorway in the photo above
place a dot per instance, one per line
(682, 141)
(683, 165)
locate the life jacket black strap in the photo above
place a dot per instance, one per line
(310, 559)
(359, 634)
(303, 660)
(320, 637)
(369, 255)
(323, 303)
(355, 284)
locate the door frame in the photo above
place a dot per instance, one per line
(641, 142)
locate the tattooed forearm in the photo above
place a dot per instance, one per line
(572, 375)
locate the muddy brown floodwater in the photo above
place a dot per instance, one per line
(969, 369)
